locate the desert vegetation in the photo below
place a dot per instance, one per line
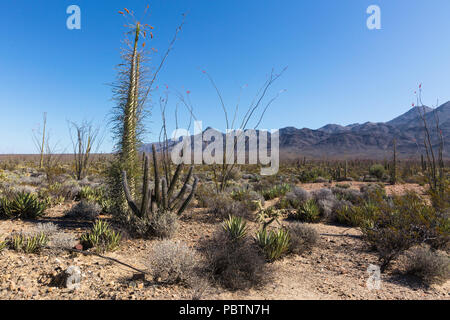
(132, 225)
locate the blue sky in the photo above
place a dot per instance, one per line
(338, 70)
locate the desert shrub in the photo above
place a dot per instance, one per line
(61, 240)
(236, 265)
(84, 210)
(430, 266)
(222, 206)
(394, 226)
(307, 212)
(322, 194)
(46, 228)
(303, 237)
(295, 198)
(277, 191)
(343, 186)
(352, 195)
(251, 199)
(344, 214)
(235, 228)
(24, 206)
(274, 243)
(101, 237)
(91, 194)
(377, 170)
(163, 224)
(28, 242)
(173, 262)
(372, 190)
(204, 192)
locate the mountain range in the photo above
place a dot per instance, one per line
(367, 140)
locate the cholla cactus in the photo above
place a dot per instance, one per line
(161, 198)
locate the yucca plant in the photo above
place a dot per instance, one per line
(101, 237)
(4, 203)
(277, 191)
(274, 243)
(25, 206)
(235, 228)
(308, 212)
(28, 243)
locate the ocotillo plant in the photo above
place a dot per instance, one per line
(161, 198)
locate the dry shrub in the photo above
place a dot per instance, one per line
(222, 206)
(303, 237)
(164, 225)
(173, 262)
(84, 210)
(433, 267)
(297, 196)
(236, 265)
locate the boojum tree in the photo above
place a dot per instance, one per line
(130, 93)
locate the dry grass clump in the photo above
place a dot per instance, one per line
(84, 210)
(303, 237)
(432, 267)
(173, 262)
(236, 265)
(222, 206)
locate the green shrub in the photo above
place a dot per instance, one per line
(274, 243)
(308, 212)
(377, 170)
(24, 205)
(235, 228)
(101, 237)
(395, 225)
(28, 243)
(277, 191)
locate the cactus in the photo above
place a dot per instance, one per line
(160, 199)
(345, 170)
(394, 164)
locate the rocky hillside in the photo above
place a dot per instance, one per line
(367, 140)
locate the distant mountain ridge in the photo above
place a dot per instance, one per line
(367, 140)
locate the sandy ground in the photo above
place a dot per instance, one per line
(335, 269)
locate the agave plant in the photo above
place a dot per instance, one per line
(235, 228)
(101, 237)
(24, 205)
(308, 212)
(28, 243)
(274, 243)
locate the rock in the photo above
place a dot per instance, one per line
(72, 278)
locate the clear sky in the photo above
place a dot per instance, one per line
(339, 71)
